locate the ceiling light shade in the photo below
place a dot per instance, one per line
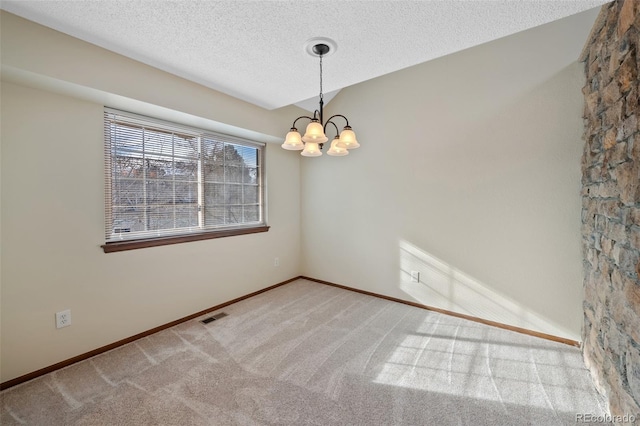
(348, 137)
(293, 141)
(315, 137)
(338, 149)
(314, 133)
(311, 149)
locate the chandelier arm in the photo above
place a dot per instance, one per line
(339, 115)
(293, 126)
(334, 125)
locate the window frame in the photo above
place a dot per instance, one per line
(170, 236)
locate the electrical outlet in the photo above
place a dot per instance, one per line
(415, 276)
(63, 318)
(276, 261)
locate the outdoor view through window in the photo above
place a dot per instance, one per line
(167, 180)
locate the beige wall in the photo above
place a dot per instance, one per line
(469, 173)
(52, 207)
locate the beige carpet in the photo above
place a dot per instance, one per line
(306, 353)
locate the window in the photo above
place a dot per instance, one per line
(169, 184)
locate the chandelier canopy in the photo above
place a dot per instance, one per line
(315, 136)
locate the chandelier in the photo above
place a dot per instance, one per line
(315, 135)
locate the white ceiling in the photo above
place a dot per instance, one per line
(254, 50)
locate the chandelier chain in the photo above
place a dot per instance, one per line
(321, 76)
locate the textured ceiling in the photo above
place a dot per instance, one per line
(254, 50)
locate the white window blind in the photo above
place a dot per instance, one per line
(164, 179)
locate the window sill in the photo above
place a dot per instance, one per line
(114, 246)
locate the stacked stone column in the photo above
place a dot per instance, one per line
(611, 206)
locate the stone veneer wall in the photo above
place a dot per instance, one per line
(611, 206)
